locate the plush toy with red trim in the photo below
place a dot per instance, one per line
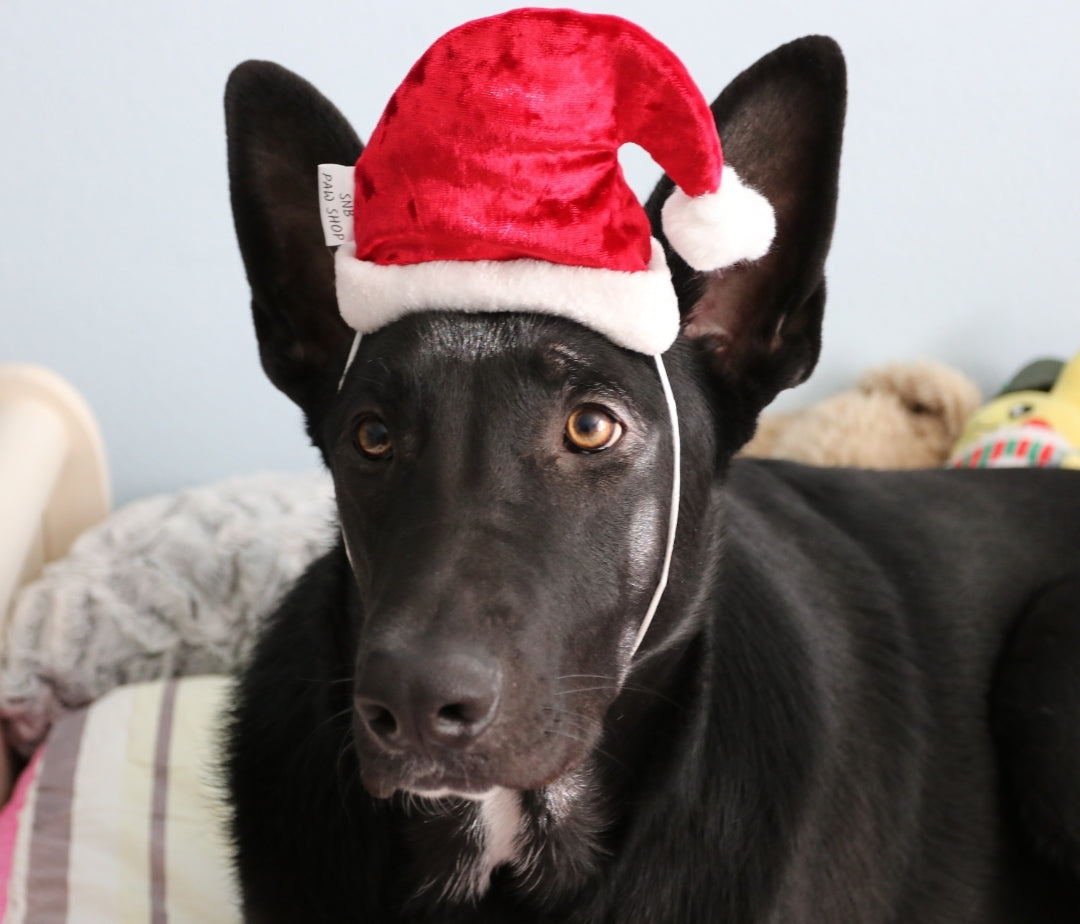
(1034, 422)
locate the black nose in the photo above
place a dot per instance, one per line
(414, 701)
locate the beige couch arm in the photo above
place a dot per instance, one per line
(53, 484)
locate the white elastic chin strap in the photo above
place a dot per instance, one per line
(349, 361)
(676, 487)
(673, 513)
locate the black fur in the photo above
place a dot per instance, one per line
(858, 701)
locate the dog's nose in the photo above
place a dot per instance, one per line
(412, 701)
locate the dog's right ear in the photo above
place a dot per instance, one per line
(280, 128)
(759, 323)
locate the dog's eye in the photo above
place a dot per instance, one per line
(591, 428)
(373, 438)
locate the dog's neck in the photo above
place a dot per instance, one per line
(540, 841)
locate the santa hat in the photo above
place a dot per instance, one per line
(492, 182)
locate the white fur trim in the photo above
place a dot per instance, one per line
(638, 311)
(719, 229)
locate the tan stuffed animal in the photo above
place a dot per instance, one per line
(903, 415)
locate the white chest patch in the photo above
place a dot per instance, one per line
(496, 828)
(500, 815)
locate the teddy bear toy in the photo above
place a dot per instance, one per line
(1034, 422)
(901, 415)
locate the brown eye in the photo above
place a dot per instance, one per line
(591, 428)
(373, 438)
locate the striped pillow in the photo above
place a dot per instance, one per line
(118, 819)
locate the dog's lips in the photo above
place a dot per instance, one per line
(383, 775)
(382, 784)
(379, 786)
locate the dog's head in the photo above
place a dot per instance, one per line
(504, 481)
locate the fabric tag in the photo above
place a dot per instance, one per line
(336, 203)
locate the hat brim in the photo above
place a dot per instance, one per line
(635, 310)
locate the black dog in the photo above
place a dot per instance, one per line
(859, 700)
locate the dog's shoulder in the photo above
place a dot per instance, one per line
(919, 504)
(959, 547)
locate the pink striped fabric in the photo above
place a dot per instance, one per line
(10, 816)
(118, 819)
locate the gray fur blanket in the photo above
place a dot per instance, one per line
(167, 586)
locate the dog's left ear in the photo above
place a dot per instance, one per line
(781, 123)
(280, 128)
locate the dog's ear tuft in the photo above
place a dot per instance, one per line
(781, 124)
(280, 128)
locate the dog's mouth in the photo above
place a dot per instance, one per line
(435, 786)
(382, 779)
(470, 774)
(431, 782)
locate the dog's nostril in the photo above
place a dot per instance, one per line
(460, 722)
(459, 714)
(379, 719)
(455, 713)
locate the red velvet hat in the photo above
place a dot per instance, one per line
(492, 181)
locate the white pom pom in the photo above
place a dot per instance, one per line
(720, 229)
